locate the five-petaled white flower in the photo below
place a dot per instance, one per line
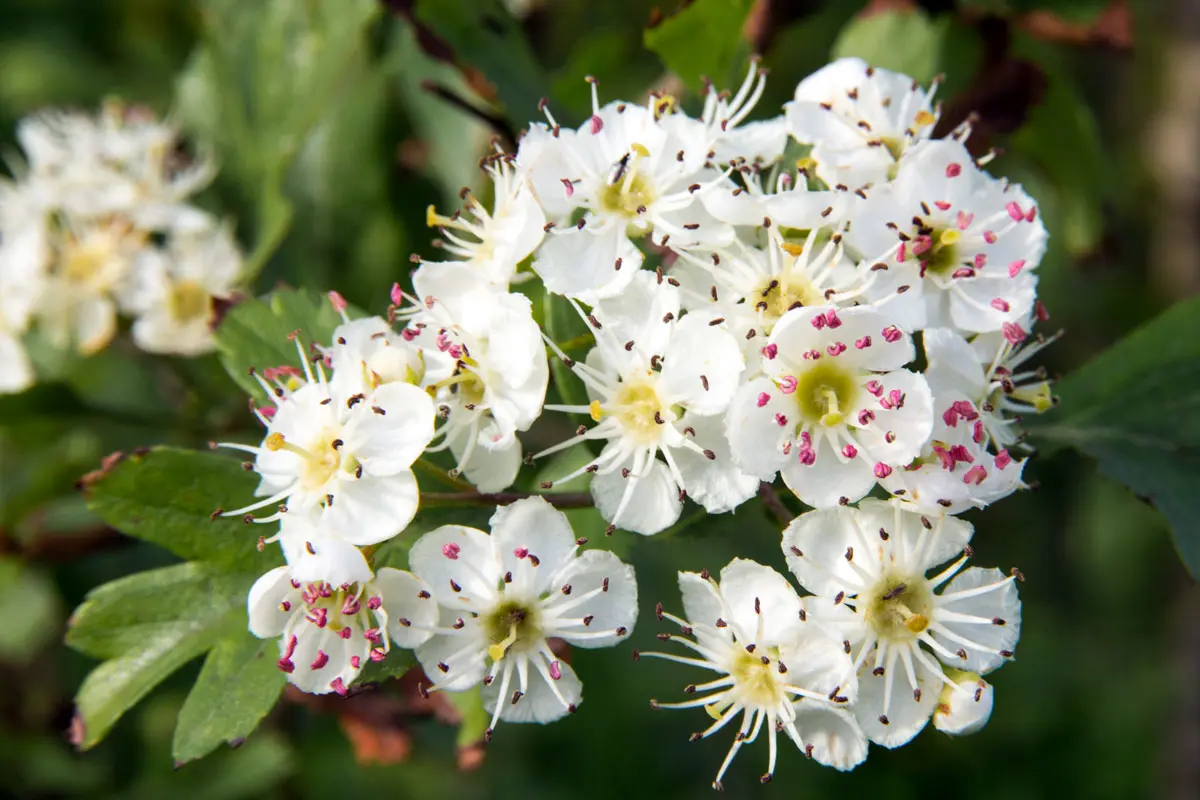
(658, 384)
(328, 632)
(964, 244)
(835, 412)
(777, 669)
(503, 596)
(343, 460)
(634, 170)
(861, 120)
(868, 565)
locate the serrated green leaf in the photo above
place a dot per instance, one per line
(1135, 408)
(255, 333)
(167, 496)
(238, 686)
(903, 41)
(149, 625)
(702, 40)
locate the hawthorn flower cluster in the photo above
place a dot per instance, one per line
(834, 297)
(98, 225)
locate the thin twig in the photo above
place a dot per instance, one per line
(563, 500)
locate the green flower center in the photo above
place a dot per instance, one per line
(510, 625)
(899, 608)
(826, 393)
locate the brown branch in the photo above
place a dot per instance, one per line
(564, 500)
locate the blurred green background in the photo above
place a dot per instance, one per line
(333, 144)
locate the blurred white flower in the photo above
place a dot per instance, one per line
(868, 566)
(503, 596)
(776, 670)
(965, 706)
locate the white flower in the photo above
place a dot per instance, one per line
(122, 160)
(965, 706)
(633, 171)
(963, 243)
(174, 288)
(366, 354)
(752, 287)
(485, 366)
(836, 411)
(776, 669)
(955, 471)
(503, 595)
(328, 632)
(988, 371)
(90, 261)
(730, 140)
(495, 243)
(344, 461)
(658, 384)
(861, 120)
(22, 282)
(868, 566)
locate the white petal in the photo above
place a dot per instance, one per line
(16, 372)
(490, 469)
(540, 703)
(819, 663)
(654, 505)
(391, 429)
(829, 478)
(371, 510)
(836, 738)
(717, 484)
(267, 619)
(701, 366)
(582, 264)
(459, 555)
(317, 556)
(702, 602)
(755, 438)
(611, 609)
(747, 585)
(823, 538)
(966, 708)
(953, 365)
(464, 655)
(906, 716)
(401, 593)
(1002, 604)
(532, 531)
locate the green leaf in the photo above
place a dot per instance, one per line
(255, 334)
(167, 496)
(702, 40)
(475, 720)
(398, 662)
(903, 41)
(483, 35)
(30, 610)
(237, 687)
(1135, 408)
(564, 326)
(148, 625)
(1062, 137)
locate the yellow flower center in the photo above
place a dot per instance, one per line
(826, 393)
(188, 300)
(899, 608)
(511, 625)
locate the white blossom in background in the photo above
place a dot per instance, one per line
(773, 667)
(861, 121)
(484, 365)
(22, 284)
(990, 371)
(658, 384)
(327, 633)
(963, 243)
(956, 470)
(343, 460)
(835, 411)
(731, 138)
(173, 289)
(868, 567)
(502, 596)
(367, 353)
(633, 170)
(494, 243)
(964, 706)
